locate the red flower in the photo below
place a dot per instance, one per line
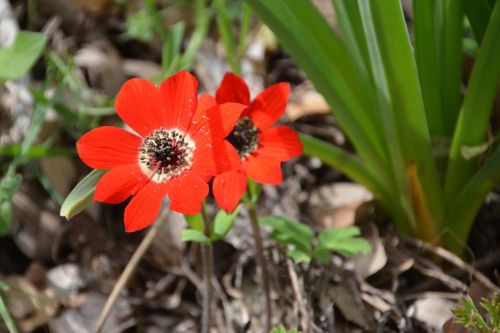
(176, 153)
(261, 147)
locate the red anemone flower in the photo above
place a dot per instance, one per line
(177, 150)
(261, 148)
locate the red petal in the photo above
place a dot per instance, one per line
(138, 104)
(142, 210)
(215, 158)
(186, 193)
(105, 147)
(233, 89)
(228, 188)
(205, 102)
(280, 143)
(179, 100)
(269, 105)
(215, 122)
(263, 169)
(119, 183)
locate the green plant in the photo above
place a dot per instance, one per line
(469, 316)
(303, 246)
(282, 329)
(396, 101)
(4, 311)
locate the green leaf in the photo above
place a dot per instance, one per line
(299, 256)
(35, 151)
(478, 12)
(344, 241)
(8, 185)
(195, 222)
(172, 49)
(98, 112)
(6, 317)
(427, 57)
(81, 196)
(224, 26)
(474, 118)
(223, 223)
(18, 58)
(140, 26)
(190, 235)
(297, 235)
(282, 329)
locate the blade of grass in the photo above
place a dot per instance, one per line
(426, 54)
(355, 169)
(478, 12)
(320, 53)
(393, 141)
(224, 26)
(407, 103)
(451, 65)
(246, 15)
(35, 151)
(474, 118)
(6, 317)
(351, 27)
(203, 15)
(172, 49)
(462, 211)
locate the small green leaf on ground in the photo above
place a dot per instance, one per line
(282, 329)
(81, 196)
(343, 240)
(297, 235)
(18, 58)
(190, 235)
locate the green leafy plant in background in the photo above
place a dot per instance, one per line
(303, 246)
(282, 329)
(4, 311)
(18, 58)
(468, 315)
(15, 61)
(396, 101)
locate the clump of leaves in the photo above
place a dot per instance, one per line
(303, 245)
(469, 316)
(282, 329)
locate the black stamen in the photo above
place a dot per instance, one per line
(244, 137)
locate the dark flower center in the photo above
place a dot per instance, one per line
(244, 137)
(166, 153)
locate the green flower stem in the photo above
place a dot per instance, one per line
(261, 261)
(208, 270)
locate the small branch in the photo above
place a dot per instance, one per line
(208, 269)
(206, 321)
(262, 264)
(298, 296)
(127, 273)
(455, 260)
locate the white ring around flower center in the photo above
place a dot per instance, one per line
(165, 154)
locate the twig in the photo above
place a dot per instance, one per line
(127, 273)
(455, 260)
(208, 271)
(298, 296)
(206, 321)
(262, 264)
